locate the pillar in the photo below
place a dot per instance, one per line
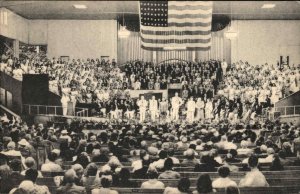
(16, 47)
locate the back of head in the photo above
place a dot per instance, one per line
(163, 154)
(70, 176)
(91, 169)
(204, 184)
(168, 165)
(232, 190)
(124, 174)
(190, 154)
(184, 185)
(25, 187)
(52, 156)
(253, 161)
(152, 172)
(105, 182)
(224, 171)
(31, 174)
(15, 165)
(29, 162)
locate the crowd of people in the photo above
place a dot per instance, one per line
(209, 89)
(149, 148)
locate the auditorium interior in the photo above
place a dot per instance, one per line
(151, 97)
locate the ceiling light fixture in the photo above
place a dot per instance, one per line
(80, 6)
(230, 33)
(123, 32)
(268, 6)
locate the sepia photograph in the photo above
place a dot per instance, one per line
(149, 97)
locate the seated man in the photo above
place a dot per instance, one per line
(70, 187)
(152, 183)
(224, 181)
(32, 175)
(254, 178)
(51, 166)
(169, 173)
(30, 164)
(105, 182)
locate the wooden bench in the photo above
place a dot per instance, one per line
(256, 190)
(291, 185)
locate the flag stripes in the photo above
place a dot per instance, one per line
(176, 24)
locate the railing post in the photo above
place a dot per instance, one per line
(284, 110)
(29, 107)
(38, 109)
(294, 110)
(46, 110)
(55, 110)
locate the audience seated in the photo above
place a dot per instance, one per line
(204, 185)
(224, 181)
(70, 187)
(105, 183)
(254, 178)
(152, 183)
(51, 166)
(146, 151)
(232, 190)
(169, 173)
(182, 188)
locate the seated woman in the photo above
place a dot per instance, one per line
(204, 185)
(276, 164)
(90, 180)
(183, 187)
(124, 181)
(206, 165)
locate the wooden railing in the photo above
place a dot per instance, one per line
(51, 110)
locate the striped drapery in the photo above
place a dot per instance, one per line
(130, 49)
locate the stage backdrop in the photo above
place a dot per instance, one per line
(130, 49)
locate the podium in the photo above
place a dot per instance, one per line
(70, 109)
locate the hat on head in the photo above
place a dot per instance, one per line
(56, 151)
(64, 132)
(152, 150)
(27, 186)
(11, 145)
(23, 142)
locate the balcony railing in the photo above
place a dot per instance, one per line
(30, 109)
(288, 110)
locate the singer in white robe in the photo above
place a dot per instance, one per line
(224, 66)
(142, 104)
(191, 107)
(64, 102)
(200, 109)
(176, 102)
(153, 108)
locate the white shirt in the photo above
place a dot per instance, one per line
(153, 184)
(142, 104)
(51, 167)
(223, 182)
(153, 106)
(254, 178)
(191, 106)
(176, 102)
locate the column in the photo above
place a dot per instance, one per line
(16, 45)
(154, 57)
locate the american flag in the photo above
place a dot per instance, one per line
(172, 25)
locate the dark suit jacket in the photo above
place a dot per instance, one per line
(140, 173)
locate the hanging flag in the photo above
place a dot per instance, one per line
(171, 25)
